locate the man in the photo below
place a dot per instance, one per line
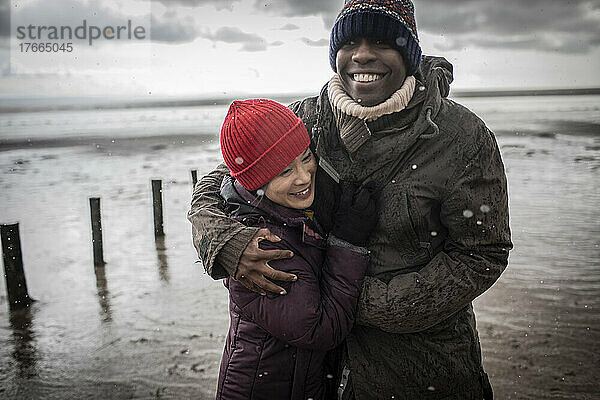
(442, 236)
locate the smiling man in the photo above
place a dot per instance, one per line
(442, 235)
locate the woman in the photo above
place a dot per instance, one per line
(276, 345)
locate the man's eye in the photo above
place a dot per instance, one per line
(381, 43)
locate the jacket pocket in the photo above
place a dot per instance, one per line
(398, 224)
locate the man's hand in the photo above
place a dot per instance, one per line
(253, 269)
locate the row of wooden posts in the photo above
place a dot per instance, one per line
(16, 285)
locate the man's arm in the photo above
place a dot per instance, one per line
(227, 247)
(318, 312)
(474, 255)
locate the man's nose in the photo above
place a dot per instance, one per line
(363, 52)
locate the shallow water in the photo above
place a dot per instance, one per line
(150, 324)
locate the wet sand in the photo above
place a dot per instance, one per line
(151, 324)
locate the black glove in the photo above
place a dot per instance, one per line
(356, 215)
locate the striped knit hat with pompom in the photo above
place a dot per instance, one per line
(389, 20)
(259, 138)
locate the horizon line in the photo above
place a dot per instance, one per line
(182, 101)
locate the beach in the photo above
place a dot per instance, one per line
(151, 323)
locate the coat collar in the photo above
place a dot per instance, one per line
(433, 83)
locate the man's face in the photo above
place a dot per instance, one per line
(371, 70)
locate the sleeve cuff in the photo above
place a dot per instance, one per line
(230, 253)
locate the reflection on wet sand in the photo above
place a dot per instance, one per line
(25, 351)
(103, 294)
(163, 263)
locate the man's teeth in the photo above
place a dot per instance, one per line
(302, 193)
(366, 77)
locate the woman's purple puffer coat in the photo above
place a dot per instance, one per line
(276, 345)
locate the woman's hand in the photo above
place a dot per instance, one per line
(253, 269)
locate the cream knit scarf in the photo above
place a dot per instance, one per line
(352, 118)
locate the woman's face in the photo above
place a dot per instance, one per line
(294, 187)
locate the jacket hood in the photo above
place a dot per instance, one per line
(436, 71)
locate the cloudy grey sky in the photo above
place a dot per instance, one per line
(206, 47)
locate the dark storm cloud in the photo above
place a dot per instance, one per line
(226, 34)
(566, 26)
(289, 27)
(295, 8)
(167, 32)
(315, 43)
(326, 9)
(219, 4)
(170, 27)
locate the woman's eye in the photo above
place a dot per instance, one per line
(285, 172)
(307, 157)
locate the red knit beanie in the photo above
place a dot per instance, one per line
(259, 138)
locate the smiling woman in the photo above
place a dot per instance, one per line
(277, 345)
(294, 186)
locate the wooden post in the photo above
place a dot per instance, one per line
(163, 262)
(16, 286)
(96, 232)
(158, 208)
(194, 178)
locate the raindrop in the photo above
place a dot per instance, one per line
(393, 181)
(239, 160)
(329, 376)
(484, 208)
(433, 233)
(479, 222)
(414, 166)
(467, 213)
(431, 388)
(421, 88)
(359, 100)
(260, 192)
